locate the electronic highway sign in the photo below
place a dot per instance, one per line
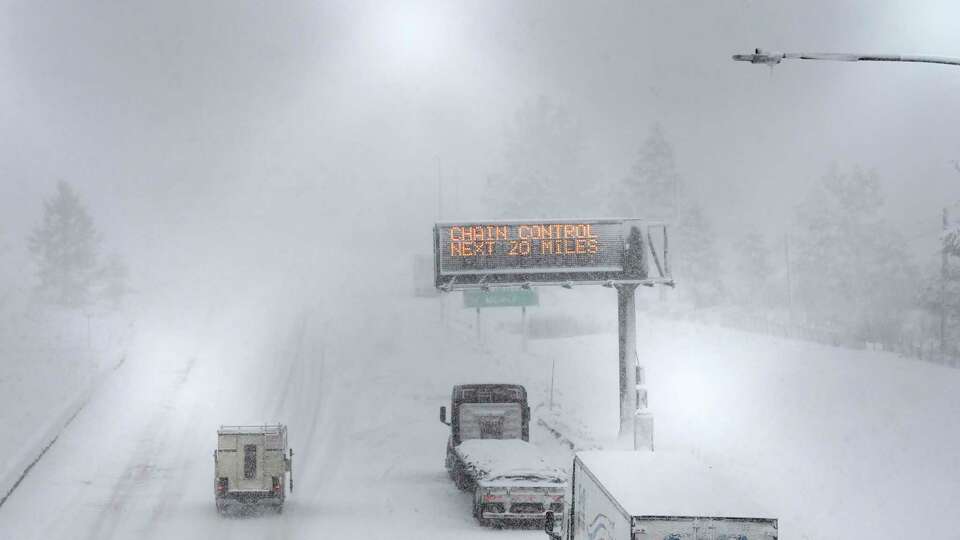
(561, 252)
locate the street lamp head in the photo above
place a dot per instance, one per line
(760, 56)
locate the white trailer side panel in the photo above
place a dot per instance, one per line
(595, 515)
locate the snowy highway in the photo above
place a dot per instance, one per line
(250, 250)
(360, 391)
(136, 462)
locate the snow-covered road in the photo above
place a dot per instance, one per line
(808, 428)
(360, 395)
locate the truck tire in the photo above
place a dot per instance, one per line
(477, 515)
(460, 478)
(450, 464)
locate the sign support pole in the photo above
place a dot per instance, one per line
(523, 328)
(627, 334)
(479, 330)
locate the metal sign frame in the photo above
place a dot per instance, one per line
(644, 254)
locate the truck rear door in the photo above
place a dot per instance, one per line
(250, 462)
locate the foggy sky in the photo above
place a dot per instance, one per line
(187, 125)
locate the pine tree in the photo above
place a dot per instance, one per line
(650, 191)
(752, 268)
(938, 295)
(853, 267)
(543, 175)
(65, 248)
(697, 264)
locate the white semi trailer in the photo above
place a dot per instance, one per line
(251, 464)
(621, 495)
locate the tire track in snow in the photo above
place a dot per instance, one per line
(141, 467)
(172, 492)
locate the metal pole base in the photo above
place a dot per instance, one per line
(643, 431)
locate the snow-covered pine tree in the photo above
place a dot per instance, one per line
(853, 268)
(697, 262)
(65, 248)
(651, 189)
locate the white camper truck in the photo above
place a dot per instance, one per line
(251, 464)
(626, 495)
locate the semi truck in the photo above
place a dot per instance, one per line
(489, 454)
(629, 495)
(252, 465)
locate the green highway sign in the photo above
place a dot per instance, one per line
(500, 297)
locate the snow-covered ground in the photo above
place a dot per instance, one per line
(840, 443)
(50, 362)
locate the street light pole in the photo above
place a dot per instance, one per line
(770, 58)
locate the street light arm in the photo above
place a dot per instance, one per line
(761, 56)
(841, 57)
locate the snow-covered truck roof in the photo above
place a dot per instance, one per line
(493, 458)
(252, 429)
(667, 484)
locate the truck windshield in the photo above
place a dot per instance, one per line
(495, 394)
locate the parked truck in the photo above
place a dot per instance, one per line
(621, 495)
(251, 467)
(489, 453)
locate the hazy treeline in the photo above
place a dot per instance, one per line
(842, 270)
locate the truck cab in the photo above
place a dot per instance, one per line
(487, 411)
(484, 411)
(252, 465)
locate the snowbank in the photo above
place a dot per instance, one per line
(493, 458)
(842, 443)
(50, 360)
